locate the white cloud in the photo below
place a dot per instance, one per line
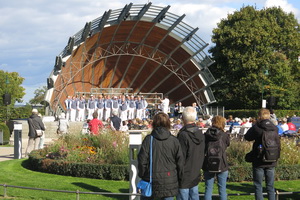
(287, 7)
(34, 32)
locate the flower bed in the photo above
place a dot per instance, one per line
(106, 156)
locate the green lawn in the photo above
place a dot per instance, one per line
(14, 172)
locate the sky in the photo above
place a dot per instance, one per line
(34, 32)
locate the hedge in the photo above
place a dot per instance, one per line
(6, 133)
(253, 113)
(88, 170)
(121, 172)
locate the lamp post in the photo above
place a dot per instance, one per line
(266, 73)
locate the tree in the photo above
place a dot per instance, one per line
(39, 95)
(256, 55)
(10, 83)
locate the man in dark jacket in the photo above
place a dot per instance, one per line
(260, 168)
(34, 123)
(115, 121)
(192, 144)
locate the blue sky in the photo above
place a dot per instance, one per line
(33, 32)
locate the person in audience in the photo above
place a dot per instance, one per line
(292, 126)
(192, 143)
(284, 125)
(34, 123)
(42, 139)
(216, 133)
(167, 159)
(115, 121)
(178, 125)
(260, 168)
(63, 125)
(95, 124)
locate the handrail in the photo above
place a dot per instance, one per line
(77, 192)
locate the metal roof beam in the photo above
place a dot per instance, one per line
(104, 19)
(86, 31)
(161, 15)
(125, 13)
(70, 45)
(143, 11)
(189, 36)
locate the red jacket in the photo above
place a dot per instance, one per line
(94, 126)
(291, 126)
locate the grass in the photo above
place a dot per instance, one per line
(14, 172)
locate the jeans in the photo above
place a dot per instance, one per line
(188, 194)
(209, 184)
(258, 175)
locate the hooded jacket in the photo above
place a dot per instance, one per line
(215, 134)
(255, 133)
(192, 143)
(36, 124)
(167, 162)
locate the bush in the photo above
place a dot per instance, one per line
(106, 156)
(6, 133)
(88, 170)
(253, 113)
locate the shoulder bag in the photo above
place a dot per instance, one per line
(144, 187)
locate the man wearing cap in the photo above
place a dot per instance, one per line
(115, 104)
(68, 102)
(123, 109)
(91, 106)
(100, 107)
(81, 109)
(139, 108)
(107, 107)
(131, 108)
(144, 104)
(34, 123)
(73, 112)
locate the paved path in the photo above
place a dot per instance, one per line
(7, 153)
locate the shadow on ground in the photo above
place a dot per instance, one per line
(93, 188)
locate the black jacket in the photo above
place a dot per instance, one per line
(215, 134)
(167, 162)
(36, 124)
(192, 144)
(255, 133)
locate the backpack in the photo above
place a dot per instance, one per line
(270, 146)
(214, 155)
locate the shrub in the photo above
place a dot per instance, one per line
(6, 133)
(253, 113)
(106, 156)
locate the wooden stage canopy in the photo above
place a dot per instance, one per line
(143, 47)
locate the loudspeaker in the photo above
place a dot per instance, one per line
(50, 83)
(272, 101)
(6, 99)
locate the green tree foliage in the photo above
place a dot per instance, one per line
(10, 82)
(256, 54)
(39, 95)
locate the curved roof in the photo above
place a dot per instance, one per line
(143, 47)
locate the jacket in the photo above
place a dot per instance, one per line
(36, 124)
(167, 165)
(215, 134)
(192, 143)
(255, 133)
